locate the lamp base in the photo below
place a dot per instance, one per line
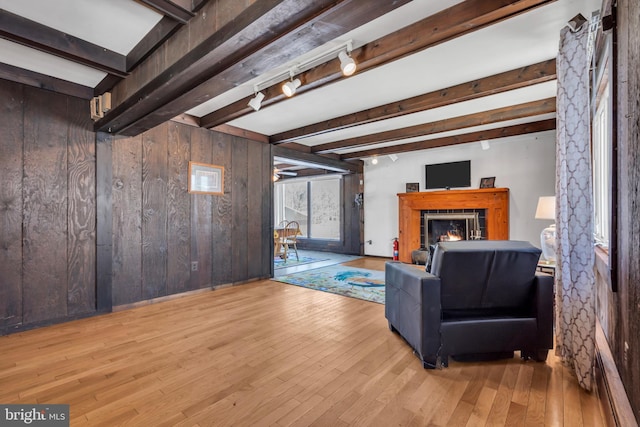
(548, 243)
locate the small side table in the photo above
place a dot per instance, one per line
(547, 267)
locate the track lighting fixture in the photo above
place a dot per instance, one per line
(256, 101)
(289, 88)
(347, 64)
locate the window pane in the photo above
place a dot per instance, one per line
(601, 167)
(295, 204)
(325, 209)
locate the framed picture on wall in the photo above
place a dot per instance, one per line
(206, 179)
(412, 187)
(488, 182)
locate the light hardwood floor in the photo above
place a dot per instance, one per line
(268, 353)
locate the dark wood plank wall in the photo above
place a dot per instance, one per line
(127, 220)
(618, 311)
(47, 209)
(239, 207)
(222, 212)
(178, 211)
(155, 155)
(11, 142)
(81, 190)
(626, 344)
(201, 217)
(163, 229)
(45, 206)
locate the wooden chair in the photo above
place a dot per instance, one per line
(289, 238)
(278, 232)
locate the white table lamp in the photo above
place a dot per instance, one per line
(547, 210)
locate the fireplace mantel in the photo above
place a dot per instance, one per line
(495, 201)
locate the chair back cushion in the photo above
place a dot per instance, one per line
(485, 274)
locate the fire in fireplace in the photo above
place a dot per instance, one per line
(443, 227)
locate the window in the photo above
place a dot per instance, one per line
(314, 202)
(601, 154)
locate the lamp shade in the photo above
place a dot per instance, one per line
(256, 101)
(289, 88)
(546, 208)
(347, 64)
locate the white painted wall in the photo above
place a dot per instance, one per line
(525, 164)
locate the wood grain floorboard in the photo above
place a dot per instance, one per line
(272, 354)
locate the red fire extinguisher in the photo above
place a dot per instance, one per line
(396, 246)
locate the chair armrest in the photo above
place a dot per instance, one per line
(544, 309)
(412, 305)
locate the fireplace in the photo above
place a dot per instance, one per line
(494, 202)
(442, 227)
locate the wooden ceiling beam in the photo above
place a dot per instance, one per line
(327, 162)
(498, 83)
(178, 13)
(32, 34)
(511, 112)
(502, 132)
(42, 81)
(446, 25)
(264, 35)
(160, 32)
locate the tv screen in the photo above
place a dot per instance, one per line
(448, 175)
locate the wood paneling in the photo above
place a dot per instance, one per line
(353, 214)
(76, 207)
(221, 222)
(104, 222)
(255, 178)
(154, 211)
(495, 201)
(178, 211)
(240, 207)
(11, 142)
(81, 242)
(626, 346)
(45, 206)
(202, 240)
(127, 220)
(267, 212)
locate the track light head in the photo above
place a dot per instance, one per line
(347, 64)
(256, 101)
(289, 88)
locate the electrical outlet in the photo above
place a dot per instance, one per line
(194, 265)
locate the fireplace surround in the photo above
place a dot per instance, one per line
(494, 201)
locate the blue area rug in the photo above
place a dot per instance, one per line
(291, 261)
(353, 282)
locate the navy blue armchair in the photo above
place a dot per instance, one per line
(481, 300)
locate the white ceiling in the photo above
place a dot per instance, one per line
(526, 39)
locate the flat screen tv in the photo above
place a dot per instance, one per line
(448, 175)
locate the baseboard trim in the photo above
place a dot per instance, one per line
(614, 401)
(182, 294)
(137, 304)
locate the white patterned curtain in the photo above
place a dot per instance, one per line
(575, 279)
